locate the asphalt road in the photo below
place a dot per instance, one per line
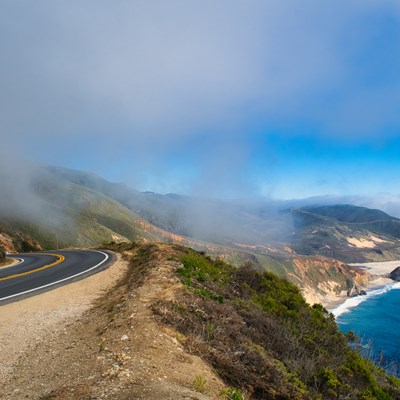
(38, 272)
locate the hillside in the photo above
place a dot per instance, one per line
(58, 213)
(180, 325)
(345, 232)
(214, 221)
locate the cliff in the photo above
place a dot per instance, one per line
(326, 280)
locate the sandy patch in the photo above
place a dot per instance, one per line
(379, 282)
(361, 243)
(329, 300)
(365, 243)
(25, 323)
(377, 239)
(378, 268)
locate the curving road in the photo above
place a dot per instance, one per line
(37, 272)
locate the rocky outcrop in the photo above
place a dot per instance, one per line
(395, 274)
(18, 242)
(355, 290)
(6, 241)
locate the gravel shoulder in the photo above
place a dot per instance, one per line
(27, 323)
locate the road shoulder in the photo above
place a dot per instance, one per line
(28, 322)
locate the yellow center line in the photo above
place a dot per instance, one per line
(60, 259)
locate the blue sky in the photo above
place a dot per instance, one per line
(281, 99)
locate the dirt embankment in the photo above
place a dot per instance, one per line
(6, 242)
(72, 344)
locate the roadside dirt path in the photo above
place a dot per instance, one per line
(29, 322)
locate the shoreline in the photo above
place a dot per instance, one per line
(377, 283)
(379, 271)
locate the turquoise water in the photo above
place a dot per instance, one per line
(375, 318)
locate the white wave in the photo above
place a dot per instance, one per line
(353, 302)
(396, 285)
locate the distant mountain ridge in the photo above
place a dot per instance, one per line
(351, 214)
(347, 232)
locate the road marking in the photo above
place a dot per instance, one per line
(61, 280)
(60, 259)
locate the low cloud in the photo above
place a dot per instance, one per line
(155, 69)
(26, 192)
(129, 82)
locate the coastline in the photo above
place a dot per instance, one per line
(379, 272)
(338, 306)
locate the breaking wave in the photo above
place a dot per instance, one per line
(352, 302)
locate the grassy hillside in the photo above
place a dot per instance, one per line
(67, 214)
(351, 214)
(257, 331)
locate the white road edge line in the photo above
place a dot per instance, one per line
(61, 280)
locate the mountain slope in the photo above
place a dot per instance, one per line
(59, 213)
(259, 227)
(346, 232)
(214, 221)
(351, 214)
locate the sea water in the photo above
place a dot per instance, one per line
(375, 319)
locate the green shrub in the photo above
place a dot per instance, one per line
(232, 394)
(209, 295)
(258, 332)
(204, 269)
(199, 384)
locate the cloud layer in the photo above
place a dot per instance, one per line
(144, 76)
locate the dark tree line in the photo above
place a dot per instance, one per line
(2, 254)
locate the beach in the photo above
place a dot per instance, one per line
(379, 284)
(378, 268)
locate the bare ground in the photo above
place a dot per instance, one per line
(65, 344)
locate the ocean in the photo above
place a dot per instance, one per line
(375, 318)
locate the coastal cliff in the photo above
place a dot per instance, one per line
(326, 280)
